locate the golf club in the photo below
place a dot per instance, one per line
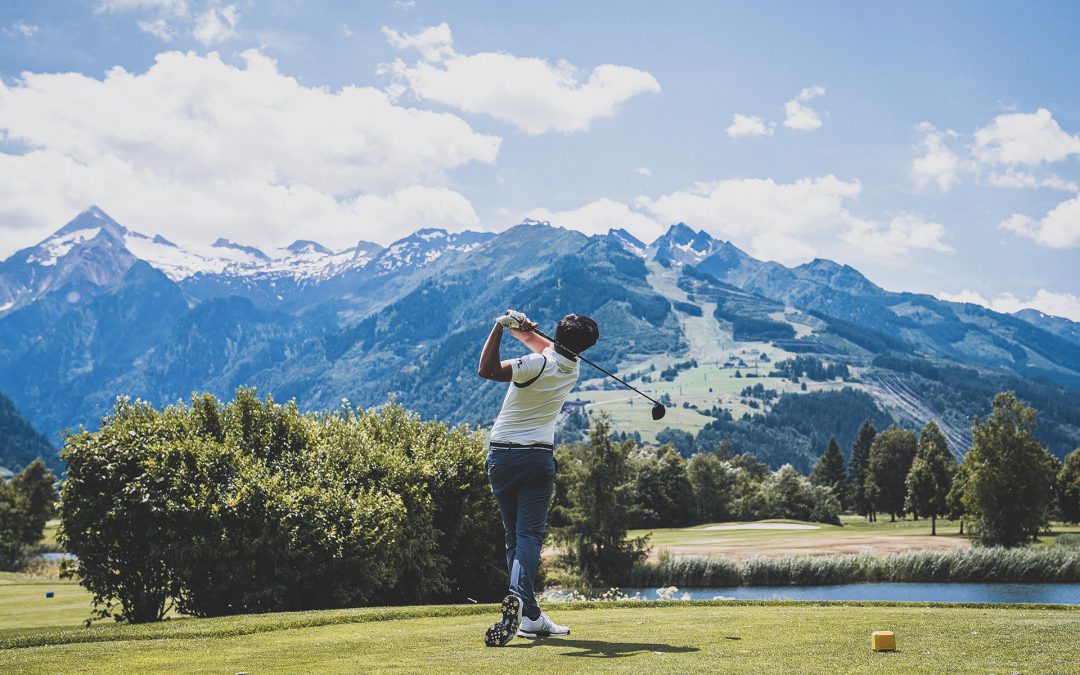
(658, 410)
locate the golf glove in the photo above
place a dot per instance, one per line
(512, 319)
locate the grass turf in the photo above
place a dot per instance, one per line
(856, 533)
(23, 605)
(677, 637)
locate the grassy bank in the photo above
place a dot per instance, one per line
(622, 637)
(1038, 565)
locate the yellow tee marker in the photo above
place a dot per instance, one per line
(883, 641)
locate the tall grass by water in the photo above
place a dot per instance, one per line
(989, 565)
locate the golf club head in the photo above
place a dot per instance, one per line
(658, 411)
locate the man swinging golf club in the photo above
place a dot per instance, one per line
(520, 461)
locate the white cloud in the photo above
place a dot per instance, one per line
(23, 29)
(414, 207)
(346, 30)
(903, 234)
(434, 43)
(195, 148)
(217, 24)
(1004, 153)
(643, 171)
(159, 28)
(781, 248)
(1048, 302)
(799, 116)
(938, 164)
(172, 7)
(530, 93)
(599, 216)
(1060, 228)
(748, 125)
(1014, 178)
(748, 206)
(1029, 139)
(792, 222)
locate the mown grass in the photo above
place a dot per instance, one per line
(1029, 565)
(621, 637)
(854, 534)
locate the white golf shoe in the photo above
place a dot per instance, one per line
(542, 627)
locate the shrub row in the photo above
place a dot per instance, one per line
(987, 565)
(253, 506)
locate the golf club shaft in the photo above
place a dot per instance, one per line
(614, 377)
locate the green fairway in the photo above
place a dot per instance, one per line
(23, 604)
(855, 536)
(627, 637)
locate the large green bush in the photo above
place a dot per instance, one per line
(254, 506)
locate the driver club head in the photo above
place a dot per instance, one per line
(658, 411)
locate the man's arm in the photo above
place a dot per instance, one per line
(530, 339)
(491, 367)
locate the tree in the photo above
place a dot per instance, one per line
(602, 507)
(712, 483)
(891, 455)
(954, 501)
(829, 470)
(37, 485)
(1010, 475)
(12, 527)
(683, 441)
(254, 506)
(664, 492)
(1069, 488)
(788, 494)
(930, 478)
(860, 457)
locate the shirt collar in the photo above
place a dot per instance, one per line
(565, 364)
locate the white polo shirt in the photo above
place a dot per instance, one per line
(529, 412)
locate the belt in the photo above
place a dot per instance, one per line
(504, 445)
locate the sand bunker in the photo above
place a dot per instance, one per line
(764, 526)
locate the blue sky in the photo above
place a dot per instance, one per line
(934, 146)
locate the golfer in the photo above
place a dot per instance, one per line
(520, 463)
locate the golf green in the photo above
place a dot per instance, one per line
(624, 637)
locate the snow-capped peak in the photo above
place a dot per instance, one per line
(306, 246)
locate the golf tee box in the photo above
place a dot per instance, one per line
(883, 641)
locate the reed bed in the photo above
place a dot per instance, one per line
(986, 565)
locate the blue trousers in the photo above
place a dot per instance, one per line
(522, 481)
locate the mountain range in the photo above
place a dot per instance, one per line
(97, 310)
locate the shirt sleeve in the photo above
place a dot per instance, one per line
(527, 367)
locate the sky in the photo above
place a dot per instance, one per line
(933, 146)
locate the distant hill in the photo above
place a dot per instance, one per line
(20, 443)
(97, 310)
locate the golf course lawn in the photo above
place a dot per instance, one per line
(626, 637)
(855, 536)
(23, 604)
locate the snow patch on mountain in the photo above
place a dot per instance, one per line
(59, 245)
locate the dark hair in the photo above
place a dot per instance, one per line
(577, 332)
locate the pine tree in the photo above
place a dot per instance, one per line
(1010, 475)
(829, 469)
(602, 507)
(930, 478)
(860, 456)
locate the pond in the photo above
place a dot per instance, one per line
(1058, 594)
